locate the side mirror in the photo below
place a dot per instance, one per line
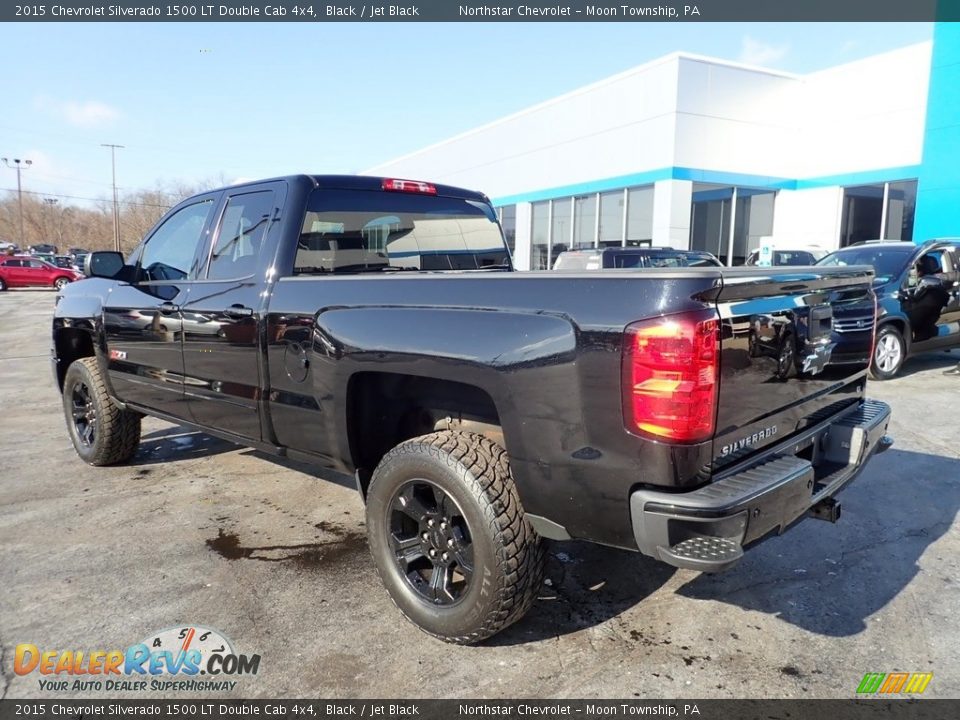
(105, 264)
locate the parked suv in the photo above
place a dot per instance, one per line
(633, 257)
(25, 271)
(918, 296)
(786, 256)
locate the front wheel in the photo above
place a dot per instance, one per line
(889, 353)
(102, 433)
(61, 282)
(449, 538)
(3, 285)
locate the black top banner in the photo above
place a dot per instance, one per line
(472, 11)
(505, 709)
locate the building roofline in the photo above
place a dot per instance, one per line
(675, 56)
(624, 74)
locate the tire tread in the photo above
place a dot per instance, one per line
(483, 467)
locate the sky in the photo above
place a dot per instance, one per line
(201, 102)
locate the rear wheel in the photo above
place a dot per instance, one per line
(61, 282)
(102, 433)
(449, 538)
(3, 285)
(889, 353)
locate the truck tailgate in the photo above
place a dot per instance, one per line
(776, 374)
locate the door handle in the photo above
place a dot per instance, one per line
(238, 311)
(168, 308)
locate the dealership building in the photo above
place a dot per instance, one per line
(695, 152)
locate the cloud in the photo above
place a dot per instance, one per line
(755, 52)
(848, 47)
(89, 114)
(79, 113)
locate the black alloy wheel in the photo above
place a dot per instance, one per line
(431, 541)
(449, 538)
(84, 414)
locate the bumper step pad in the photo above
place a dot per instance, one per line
(703, 553)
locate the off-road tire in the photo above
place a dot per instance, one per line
(508, 554)
(117, 432)
(887, 333)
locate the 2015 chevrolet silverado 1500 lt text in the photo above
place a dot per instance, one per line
(375, 326)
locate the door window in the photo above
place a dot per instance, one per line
(170, 251)
(242, 230)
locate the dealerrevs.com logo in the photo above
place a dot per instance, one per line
(188, 658)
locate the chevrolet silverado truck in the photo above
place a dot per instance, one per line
(376, 326)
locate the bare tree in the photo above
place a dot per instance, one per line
(90, 226)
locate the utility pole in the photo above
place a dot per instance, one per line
(116, 210)
(19, 165)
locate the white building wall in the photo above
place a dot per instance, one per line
(864, 115)
(735, 119)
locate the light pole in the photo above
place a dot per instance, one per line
(19, 164)
(53, 204)
(116, 211)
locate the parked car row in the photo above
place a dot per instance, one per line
(917, 289)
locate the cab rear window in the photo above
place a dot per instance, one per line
(362, 231)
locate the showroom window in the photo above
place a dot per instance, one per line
(712, 209)
(610, 231)
(878, 211)
(639, 216)
(585, 221)
(540, 236)
(508, 221)
(561, 227)
(608, 219)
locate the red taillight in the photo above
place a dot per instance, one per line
(671, 375)
(414, 186)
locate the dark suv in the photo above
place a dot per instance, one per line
(633, 257)
(918, 297)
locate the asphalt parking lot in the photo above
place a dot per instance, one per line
(198, 531)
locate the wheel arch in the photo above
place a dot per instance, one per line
(384, 409)
(901, 324)
(70, 343)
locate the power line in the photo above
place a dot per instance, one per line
(91, 199)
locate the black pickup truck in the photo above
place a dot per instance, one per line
(376, 326)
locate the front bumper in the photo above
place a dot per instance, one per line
(707, 529)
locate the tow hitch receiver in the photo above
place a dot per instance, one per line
(827, 509)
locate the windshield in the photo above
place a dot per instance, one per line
(363, 231)
(887, 262)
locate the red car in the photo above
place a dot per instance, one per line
(25, 271)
